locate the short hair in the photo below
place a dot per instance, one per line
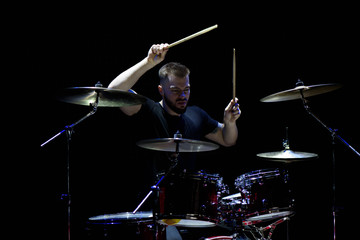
(173, 68)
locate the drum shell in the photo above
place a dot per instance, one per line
(190, 196)
(265, 194)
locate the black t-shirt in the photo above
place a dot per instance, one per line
(152, 121)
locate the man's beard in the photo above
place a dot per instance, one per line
(173, 107)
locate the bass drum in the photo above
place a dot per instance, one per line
(190, 199)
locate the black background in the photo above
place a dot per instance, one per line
(275, 46)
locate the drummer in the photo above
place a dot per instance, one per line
(164, 118)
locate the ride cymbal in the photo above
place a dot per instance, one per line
(306, 91)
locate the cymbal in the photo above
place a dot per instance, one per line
(287, 156)
(107, 97)
(122, 216)
(295, 93)
(232, 196)
(187, 223)
(169, 145)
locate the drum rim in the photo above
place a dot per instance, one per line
(242, 181)
(197, 175)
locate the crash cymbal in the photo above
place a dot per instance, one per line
(287, 156)
(107, 97)
(295, 93)
(169, 145)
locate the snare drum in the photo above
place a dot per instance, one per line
(190, 199)
(266, 195)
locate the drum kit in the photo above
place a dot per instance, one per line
(201, 200)
(262, 199)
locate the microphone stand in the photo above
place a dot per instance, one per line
(69, 129)
(334, 135)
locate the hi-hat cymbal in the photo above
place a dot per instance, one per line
(287, 156)
(107, 97)
(169, 145)
(121, 217)
(232, 196)
(295, 93)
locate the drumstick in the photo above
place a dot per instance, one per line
(234, 75)
(192, 36)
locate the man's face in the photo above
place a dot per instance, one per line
(176, 93)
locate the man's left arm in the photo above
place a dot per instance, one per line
(227, 133)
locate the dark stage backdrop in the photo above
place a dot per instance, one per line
(274, 49)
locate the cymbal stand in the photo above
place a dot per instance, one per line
(155, 188)
(333, 132)
(69, 131)
(334, 135)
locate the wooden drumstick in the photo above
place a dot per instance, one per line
(234, 75)
(192, 36)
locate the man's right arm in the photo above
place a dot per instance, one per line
(128, 78)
